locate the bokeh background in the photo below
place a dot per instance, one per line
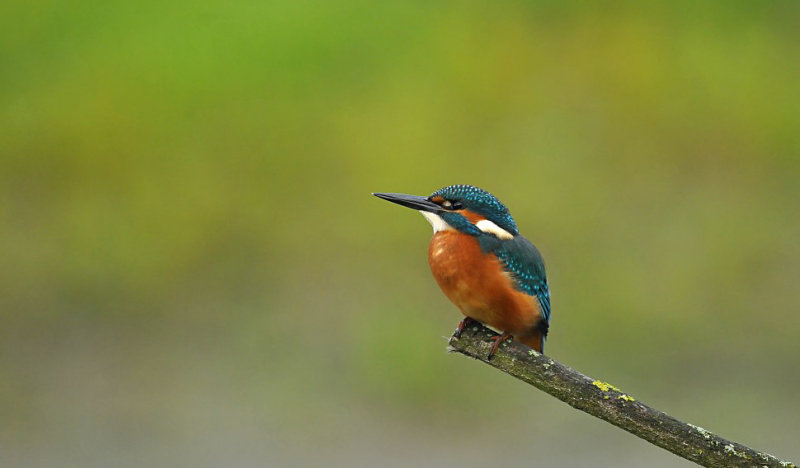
(194, 272)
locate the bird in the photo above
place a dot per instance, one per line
(482, 263)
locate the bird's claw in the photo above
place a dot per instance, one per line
(498, 340)
(461, 326)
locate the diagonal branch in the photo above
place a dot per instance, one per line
(609, 403)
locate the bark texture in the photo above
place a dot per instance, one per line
(604, 401)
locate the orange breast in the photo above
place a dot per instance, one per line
(477, 284)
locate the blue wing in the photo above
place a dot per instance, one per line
(526, 265)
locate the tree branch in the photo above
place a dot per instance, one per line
(609, 403)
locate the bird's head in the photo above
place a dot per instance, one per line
(465, 208)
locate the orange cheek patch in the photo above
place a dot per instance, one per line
(473, 218)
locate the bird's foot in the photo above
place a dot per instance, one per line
(461, 326)
(498, 340)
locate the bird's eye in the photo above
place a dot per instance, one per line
(448, 205)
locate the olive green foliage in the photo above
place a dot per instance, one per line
(194, 271)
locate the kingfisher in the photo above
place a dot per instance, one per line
(483, 264)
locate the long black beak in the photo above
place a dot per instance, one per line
(411, 201)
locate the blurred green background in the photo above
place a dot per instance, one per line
(195, 272)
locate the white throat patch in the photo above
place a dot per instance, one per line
(436, 221)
